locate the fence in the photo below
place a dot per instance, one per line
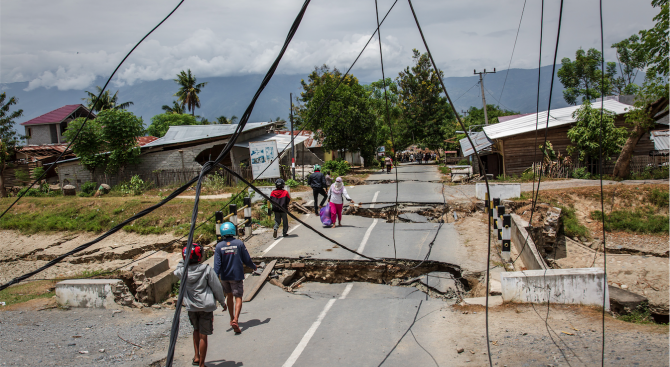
(557, 169)
(177, 177)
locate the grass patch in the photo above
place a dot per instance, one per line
(641, 315)
(445, 170)
(27, 291)
(658, 198)
(571, 226)
(637, 221)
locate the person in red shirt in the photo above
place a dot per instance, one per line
(280, 199)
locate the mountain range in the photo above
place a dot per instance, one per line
(230, 95)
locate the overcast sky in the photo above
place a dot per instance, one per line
(68, 43)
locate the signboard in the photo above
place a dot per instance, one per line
(264, 154)
(267, 190)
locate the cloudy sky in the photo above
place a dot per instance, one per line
(68, 43)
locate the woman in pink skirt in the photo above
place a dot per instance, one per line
(336, 195)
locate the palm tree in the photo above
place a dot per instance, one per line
(188, 90)
(176, 108)
(107, 101)
(222, 120)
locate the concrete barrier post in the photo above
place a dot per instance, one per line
(506, 237)
(247, 214)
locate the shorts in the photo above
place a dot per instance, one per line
(236, 287)
(202, 322)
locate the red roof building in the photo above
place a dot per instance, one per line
(49, 128)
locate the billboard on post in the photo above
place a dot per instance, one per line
(263, 154)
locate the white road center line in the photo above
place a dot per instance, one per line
(365, 238)
(281, 238)
(309, 202)
(308, 335)
(374, 199)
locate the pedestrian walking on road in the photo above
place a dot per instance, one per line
(280, 199)
(337, 193)
(317, 181)
(202, 290)
(329, 180)
(230, 256)
(389, 163)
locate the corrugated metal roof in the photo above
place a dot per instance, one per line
(311, 141)
(55, 116)
(481, 142)
(661, 139)
(186, 133)
(283, 141)
(557, 117)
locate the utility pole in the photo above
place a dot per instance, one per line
(292, 138)
(481, 82)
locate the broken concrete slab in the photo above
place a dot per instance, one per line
(624, 302)
(413, 217)
(151, 267)
(90, 293)
(439, 281)
(481, 301)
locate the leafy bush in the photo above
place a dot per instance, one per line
(22, 176)
(638, 221)
(581, 173)
(651, 173)
(214, 182)
(337, 168)
(37, 173)
(88, 189)
(658, 198)
(30, 192)
(464, 162)
(42, 191)
(292, 183)
(136, 186)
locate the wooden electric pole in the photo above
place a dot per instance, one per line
(481, 82)
(292, 138)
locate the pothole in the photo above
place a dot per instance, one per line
(437, 279)
(416, 212)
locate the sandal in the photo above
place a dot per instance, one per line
(236, 327)
(194, 363)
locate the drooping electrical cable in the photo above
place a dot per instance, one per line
(483, 170)
(208, 166)
(513, 48)
(388, 122)
(602, 194)
(88, 115)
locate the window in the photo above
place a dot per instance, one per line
(29, 132)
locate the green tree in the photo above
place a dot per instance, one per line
(384, 127)
(632, 59)
(427, 118)
(107, 101)
(650, 100)
(585, 134)
(225, 120)
(654, 42)
(189, 89)
(9, 139)
(582, 77)
(110, 140)
(346, 122)
(161, 123)
(475, 116)
(175, 108)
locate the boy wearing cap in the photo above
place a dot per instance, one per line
(230, 256)
(202, 290)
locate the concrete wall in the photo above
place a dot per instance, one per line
(502, 191)
(91, 293)
(529, 255)
(41, 134)
(72, 173)
(585, 286)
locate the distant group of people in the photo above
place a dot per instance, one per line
(335, 194)
(417, 157)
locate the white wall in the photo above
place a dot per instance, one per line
(502, 191)
(585, 286)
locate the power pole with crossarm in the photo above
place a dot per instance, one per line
(481, 82)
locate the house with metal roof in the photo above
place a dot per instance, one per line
(49, 128)
(512, 145)
(185, 149)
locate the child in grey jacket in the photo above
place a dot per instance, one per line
(201, 291)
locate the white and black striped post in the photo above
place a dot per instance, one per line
(506, 237)
(501, 212)
(494, 212)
